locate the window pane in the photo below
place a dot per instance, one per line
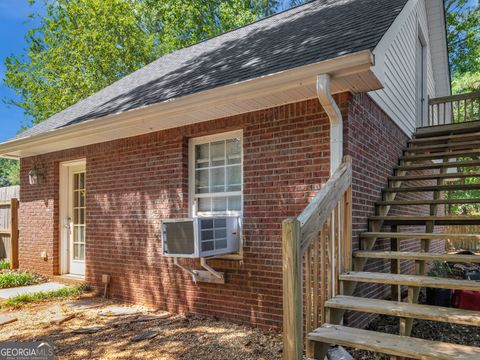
(235, 203)
(204, 204)
(220, 234)
(82, 198)
(234, 151)
(207, 246)
(218, 180)
(234, 176)
(76, 251)
(75, 216)
(207, 235)
(201, 181)
(75, 199)
(81, 234)
(82, 216)
(217, 153)
(81, 255)
(207, 224)
(220, 223)
(221, 244)
(219, 204)
(202, 155)
(82, 181)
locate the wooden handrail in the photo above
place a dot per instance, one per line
(319, 240)
(454, 109)
(316, 213)
(450, 98)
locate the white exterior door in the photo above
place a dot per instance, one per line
(73, 223)
(420, 82)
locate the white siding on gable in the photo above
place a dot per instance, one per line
(395, 65)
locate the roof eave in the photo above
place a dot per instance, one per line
(350, 72)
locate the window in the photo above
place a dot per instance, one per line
(216, 174)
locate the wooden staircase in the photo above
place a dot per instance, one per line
(436, 154)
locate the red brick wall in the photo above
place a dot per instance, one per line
(133, 183)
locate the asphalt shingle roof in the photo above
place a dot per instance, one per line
(310, 33)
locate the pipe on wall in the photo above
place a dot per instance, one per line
(324, 95)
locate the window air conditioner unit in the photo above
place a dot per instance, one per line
(200, 237)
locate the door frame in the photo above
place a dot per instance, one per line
(64, 192)
(421, 79)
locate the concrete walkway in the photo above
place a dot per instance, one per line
(11, 292)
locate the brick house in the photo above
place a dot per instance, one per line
(250, 125)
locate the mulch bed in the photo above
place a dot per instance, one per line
(149, 335)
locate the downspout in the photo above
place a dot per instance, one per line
(336, 146)
(324, 95)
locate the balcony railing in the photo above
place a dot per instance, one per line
(454, 109)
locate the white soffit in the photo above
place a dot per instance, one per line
(349, 73)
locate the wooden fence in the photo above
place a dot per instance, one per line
(9, 224)
(455, 244)
(316, 248)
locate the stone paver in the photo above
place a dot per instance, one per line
(22, 290)
(120, 311)
(6, 319)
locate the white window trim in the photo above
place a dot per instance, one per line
(191, 180)
(191, 171)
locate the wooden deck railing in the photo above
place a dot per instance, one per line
(11, 231)
(316, 247)
(454, 109)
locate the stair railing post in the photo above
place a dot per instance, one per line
(292, 290)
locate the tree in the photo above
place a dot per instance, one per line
(463, 33)
(9, 172)
(79, 47)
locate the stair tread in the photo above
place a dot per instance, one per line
(441, 155)
(404, 309)
(447, 129)
(433, 188)
(416, 255)
(435, 176)
(410, 280)
(421, 220)
(408, 235)
(449, 164)
(428, 202)
(424, 148)
(460, 137)
(392, 344)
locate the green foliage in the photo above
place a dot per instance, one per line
(10, 279)
(440, 269)
(81, 46)
(9, 172)
(463, 24)
(4, 264)
(464, 209)
(65, 293)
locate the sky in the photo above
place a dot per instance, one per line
(13, 27)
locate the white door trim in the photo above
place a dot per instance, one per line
(64, 198)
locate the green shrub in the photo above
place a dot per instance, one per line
(4, 264)
(14, 278)
(65, 293)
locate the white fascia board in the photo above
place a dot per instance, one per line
(342, 66)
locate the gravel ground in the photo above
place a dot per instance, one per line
(112, 337)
